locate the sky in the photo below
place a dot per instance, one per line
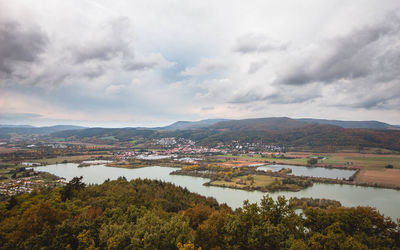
(150, 63)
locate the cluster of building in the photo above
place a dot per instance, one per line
(56, 145)
(258, 147)
(26, 185)
(166, 141)
(171, 141)
(174, 147)
(124, 155)
(188, 149)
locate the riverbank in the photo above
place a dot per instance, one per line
(385, 200)
(218, 178)
(263, 183)
(141, 163)
(380, 169)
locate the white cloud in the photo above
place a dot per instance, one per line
(158, 60)
(151, 61)
(258, 43)
(207, 66)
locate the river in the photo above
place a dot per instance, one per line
(333, 173)
(387, 201)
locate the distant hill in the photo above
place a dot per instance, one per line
(272, 123)
(15, 126)
(182, 125)
(283, 123)
(257, 124)
(351, 124)
(26, 129)
(275, 130)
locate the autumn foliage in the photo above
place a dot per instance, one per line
(145, 214)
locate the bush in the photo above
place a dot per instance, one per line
(312, 161)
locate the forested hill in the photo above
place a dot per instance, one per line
(351, 124)
(184, 125)
(260, 124)
(273, 123)
(280, 131)
(145, 214)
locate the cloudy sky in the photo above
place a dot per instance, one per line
(152, 62)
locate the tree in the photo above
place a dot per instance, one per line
(11, 202)
(211, 233)
(198, 214)
(312, 161)
(73, 186)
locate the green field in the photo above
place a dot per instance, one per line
(364, 161)
(302, 161)
(112, 138)
(68, 159)
(259, 181)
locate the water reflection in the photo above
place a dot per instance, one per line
(385, 200)
(333, 173)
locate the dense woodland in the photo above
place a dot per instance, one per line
(145, 214)
(311, 136)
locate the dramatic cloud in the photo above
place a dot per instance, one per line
(110, 43)
(149, 62)
(257, 43)
(19, 45)
(206, 66)
(369, 52)
(18, 117)
(114, 63)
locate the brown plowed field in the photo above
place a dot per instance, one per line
(4, 150)
(389, 177)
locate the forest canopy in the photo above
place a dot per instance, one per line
(149, 214)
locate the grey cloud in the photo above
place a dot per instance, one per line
(373, 102)
(113, 43)
(257, 43)
(375, 96)
(50, 78)
(283, 95)
(94, 72)
(360, 54)
(206, 66)
(248, 97)
(293, 98)
(149, 62)
(19, 45)
(139, 65)
(102, 52)
(255, 66)
(18, 117)
(207, 108)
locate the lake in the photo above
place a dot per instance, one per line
(387, 201)
(333, 173)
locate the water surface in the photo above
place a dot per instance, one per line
(333, 173)
(386, 201)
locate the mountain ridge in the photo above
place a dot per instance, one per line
(27, 129)
(183, 125)
(257, 124)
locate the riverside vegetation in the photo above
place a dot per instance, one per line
(145, 214)
(248, 178)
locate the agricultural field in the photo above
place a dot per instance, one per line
(112, 138)
(355, 160)
(372, 166)
(4, 150)
(388, 177)
(243, 181)
(76, 158)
